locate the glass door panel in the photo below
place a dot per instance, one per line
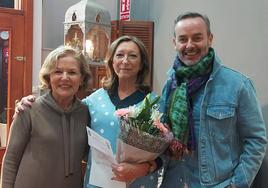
(14, 4)
(4, 62)
(7, 3)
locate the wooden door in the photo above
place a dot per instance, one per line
(16, 60)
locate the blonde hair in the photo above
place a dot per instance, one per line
(110, 82)
(51, 62)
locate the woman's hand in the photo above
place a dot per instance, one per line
(127, 172)
(24, 102)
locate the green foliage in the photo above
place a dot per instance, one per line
(143, 121)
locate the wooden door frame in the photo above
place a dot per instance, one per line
(27, 13)
(27, 7)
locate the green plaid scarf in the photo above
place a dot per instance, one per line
(178, 110)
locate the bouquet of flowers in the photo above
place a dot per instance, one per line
(142, 136)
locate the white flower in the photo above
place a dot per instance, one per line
(155, 115)
(133, 111)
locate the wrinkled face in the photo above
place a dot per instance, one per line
(66, 78)
(127, 61)
(192, 40)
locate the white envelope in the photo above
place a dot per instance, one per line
(101, 162)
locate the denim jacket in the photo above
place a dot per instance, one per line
(232, 136)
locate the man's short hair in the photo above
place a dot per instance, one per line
(193, 15)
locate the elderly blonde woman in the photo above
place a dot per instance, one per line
(48, 141)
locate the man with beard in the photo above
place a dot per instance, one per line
(213, 112)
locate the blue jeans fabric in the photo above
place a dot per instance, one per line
(231, 135)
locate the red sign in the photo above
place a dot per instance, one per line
(124, 9)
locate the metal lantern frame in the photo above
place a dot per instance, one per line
(88, 18)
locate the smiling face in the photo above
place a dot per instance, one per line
(66, 78)
(192, 40)
(127, 61)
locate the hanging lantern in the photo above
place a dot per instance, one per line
(87, 27)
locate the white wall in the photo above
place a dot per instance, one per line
(37, 43)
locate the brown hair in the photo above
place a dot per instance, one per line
(51, 62)
(193, 15)
(110, 82)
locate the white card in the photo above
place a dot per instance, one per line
(101, 162)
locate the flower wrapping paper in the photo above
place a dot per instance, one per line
(136, 146)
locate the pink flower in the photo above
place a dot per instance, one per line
(122, 112)
(160, 126)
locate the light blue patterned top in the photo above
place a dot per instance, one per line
(105, 123)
